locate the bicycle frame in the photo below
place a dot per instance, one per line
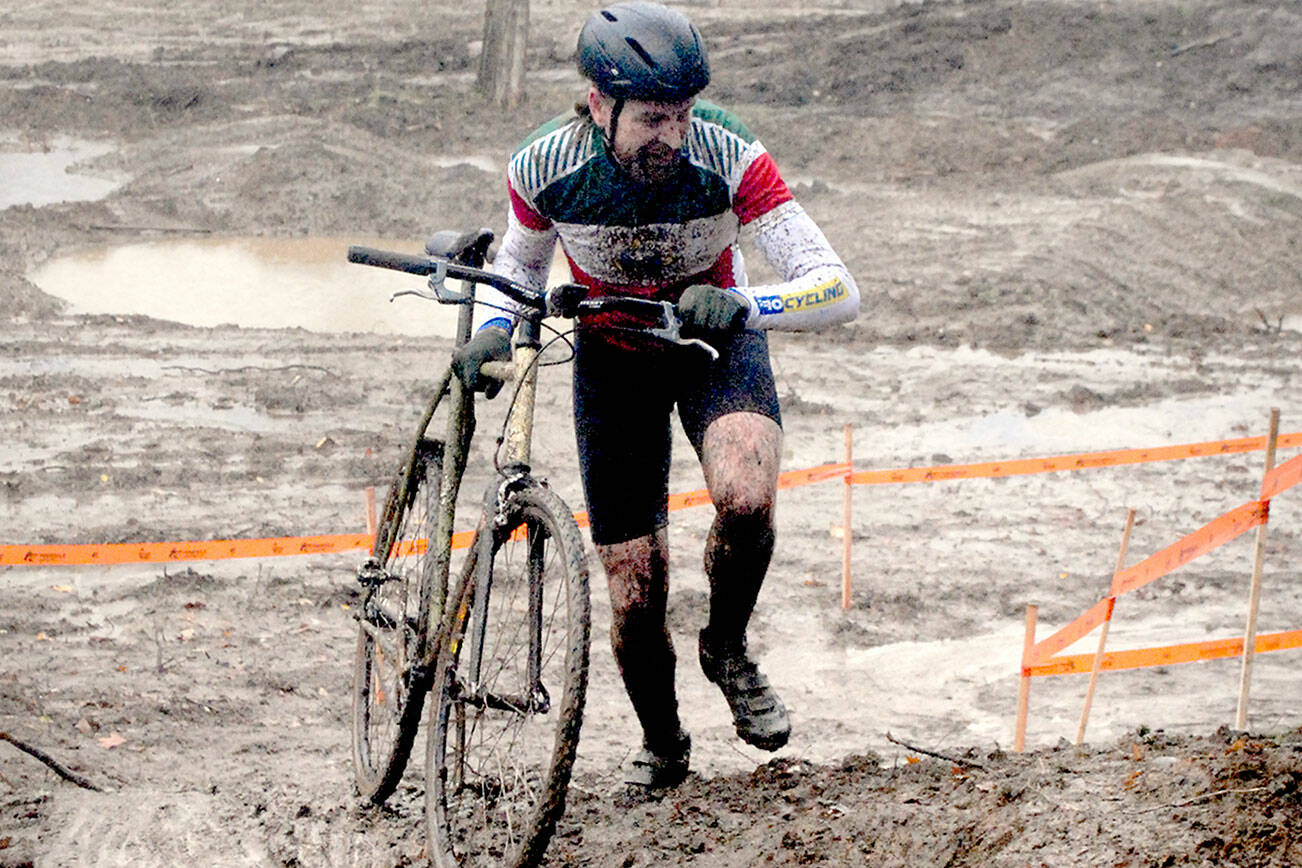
(516, 451)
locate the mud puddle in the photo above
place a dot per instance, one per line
(248, 282)
(46, 177)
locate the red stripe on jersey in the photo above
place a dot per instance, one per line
(530, 218)
(762, 189)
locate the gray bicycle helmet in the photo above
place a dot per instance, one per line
(643, 51)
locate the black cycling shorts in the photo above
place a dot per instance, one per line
(622, 403)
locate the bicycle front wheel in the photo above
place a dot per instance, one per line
(388, 685)
(507, 703)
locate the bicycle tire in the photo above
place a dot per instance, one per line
(496, 770)
(389, 686)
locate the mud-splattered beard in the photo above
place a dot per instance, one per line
(652, 164)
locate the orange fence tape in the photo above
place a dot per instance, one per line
(1066, 636)
(91, 554)
(1081, 461)
(1040, 659)
(1214, 534)
(1283, 477)
(205, 550)
(1141, 658)
(1236, 522)
(121, 553)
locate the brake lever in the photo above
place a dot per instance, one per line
(672, 331)
(438, 289)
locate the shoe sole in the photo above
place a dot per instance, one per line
(769, 743)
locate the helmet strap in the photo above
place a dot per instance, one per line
(614, 120)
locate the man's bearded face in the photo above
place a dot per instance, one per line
(649, 136)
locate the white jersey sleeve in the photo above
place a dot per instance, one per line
(816, 291)
(524, 256)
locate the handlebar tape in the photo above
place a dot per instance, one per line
(389, 259)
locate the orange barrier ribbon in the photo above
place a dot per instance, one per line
(1085, 622)
(1282, 478)
(1080, 461)
(1211, 535)
(1141, 658)
(166, 552)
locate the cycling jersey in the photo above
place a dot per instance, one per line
(621, 237)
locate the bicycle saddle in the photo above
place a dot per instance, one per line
(465, 248)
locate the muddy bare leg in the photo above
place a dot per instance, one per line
(740, 460)
(637, 572)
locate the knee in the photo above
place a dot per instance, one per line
(637, 574)
(746, 507)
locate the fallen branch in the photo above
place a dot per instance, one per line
(958, 761)
(1204, 797)
(122, 227)
(1278, 328)
(54, 764)
(1202, 43)
(245, 368)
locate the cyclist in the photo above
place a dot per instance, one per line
(648, 188)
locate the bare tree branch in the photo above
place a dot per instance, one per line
(54, 764)
(958, 761)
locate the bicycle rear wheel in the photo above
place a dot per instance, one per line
(389, 687)
(507, 702)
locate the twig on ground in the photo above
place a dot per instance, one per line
(739, 752)
(122, 227)
(1204, 797)
(54, 764)
(245, 368)
(159, 666)
(1277, 328)
(1202, 43)
(958, 761)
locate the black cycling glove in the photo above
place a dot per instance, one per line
(491, 344)
(712, 309)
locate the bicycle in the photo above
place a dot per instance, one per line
(503, 651)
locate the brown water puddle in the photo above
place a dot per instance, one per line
(249, 282)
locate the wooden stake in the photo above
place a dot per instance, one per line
(846, 533)
(1103, 631)
(1024, 688)
(1254, 594)
(371, 521)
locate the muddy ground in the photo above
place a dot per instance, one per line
(1076, 228)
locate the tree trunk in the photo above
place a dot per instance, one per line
(501, 66)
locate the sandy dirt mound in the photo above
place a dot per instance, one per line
(1076, 228)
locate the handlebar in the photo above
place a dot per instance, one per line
(565, 300)
(439, 270)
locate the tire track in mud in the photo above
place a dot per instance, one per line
(144, 827)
